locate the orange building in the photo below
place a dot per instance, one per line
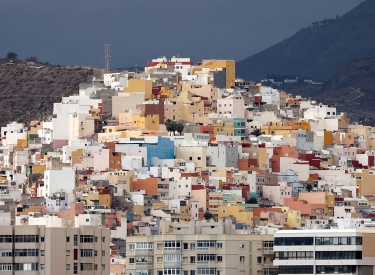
(150, 185)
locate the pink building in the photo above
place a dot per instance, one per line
(75, 209)
(278, 193)
(234, 106)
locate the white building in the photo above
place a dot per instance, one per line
(57, 181)
(325, 251)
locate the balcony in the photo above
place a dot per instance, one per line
(267, 250)
(172, 264)
(172, 250)
(142, 265)
(144, 251)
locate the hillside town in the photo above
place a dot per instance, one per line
(185, 169)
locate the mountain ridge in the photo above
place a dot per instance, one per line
(317, 51)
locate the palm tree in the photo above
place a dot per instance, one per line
(180, 127)
(170, 125)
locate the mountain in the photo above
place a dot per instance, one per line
(319, 50)
(352, 90)
(28, 90)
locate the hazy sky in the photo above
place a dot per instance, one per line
(74, 32)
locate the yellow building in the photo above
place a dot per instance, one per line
(231, 209)
(38, 169)
(292, 217)
(328, 137)
(21, 144)
(228, 65)
(221, 129)
(301, 125)
(277, 128)
(140, 85)
(150, 122)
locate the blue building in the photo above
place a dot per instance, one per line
(163, 149)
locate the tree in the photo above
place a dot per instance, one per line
(208, 216)
(257, 132)
(32, 59)
(11, 55)
(171, 126)
(180, 127)
(252, 200)
(309, 187)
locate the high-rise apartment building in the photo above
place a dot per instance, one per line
(325, 251)
(200, 254)
(54, 250)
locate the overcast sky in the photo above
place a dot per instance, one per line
(73, 32)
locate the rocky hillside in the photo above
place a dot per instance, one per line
(319, 50)
(352, 90)
(28, 90)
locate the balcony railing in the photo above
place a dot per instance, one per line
(144, 251)
(268, 250)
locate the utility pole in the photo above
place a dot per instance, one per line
(106, 56)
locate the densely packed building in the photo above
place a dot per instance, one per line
(186, 169)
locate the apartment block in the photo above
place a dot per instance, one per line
(39, 249)
(186, 254)
(325, 251)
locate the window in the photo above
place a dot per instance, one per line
(6, 253)
(172, 245)
(5, 266)
(27, 238)
(103, 239)
(294, 241)
(25, 252)
(87, 266)
(67, 239)
(67, 267)
(219, 258)
(86, 239)
(131, 260)
(75, 268)
(42, 266)
(202, 245)
(186, 245)
(103, 267)
(242, 259)
(219, 245)
(206, 271)
(95, 267)
(192, 259)
(206, 257)
(103, 253)
(68, 253)
(41, 252)
(95, 253)
(172, 271)
(6, 238)
(300, 269)
(192, 245)
(242, 245)
(131, 246)
(86, 252)
(26, 266)
(75, 240)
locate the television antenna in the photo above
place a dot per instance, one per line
(106, 56)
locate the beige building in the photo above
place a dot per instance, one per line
(40, 249)
(184, 254)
